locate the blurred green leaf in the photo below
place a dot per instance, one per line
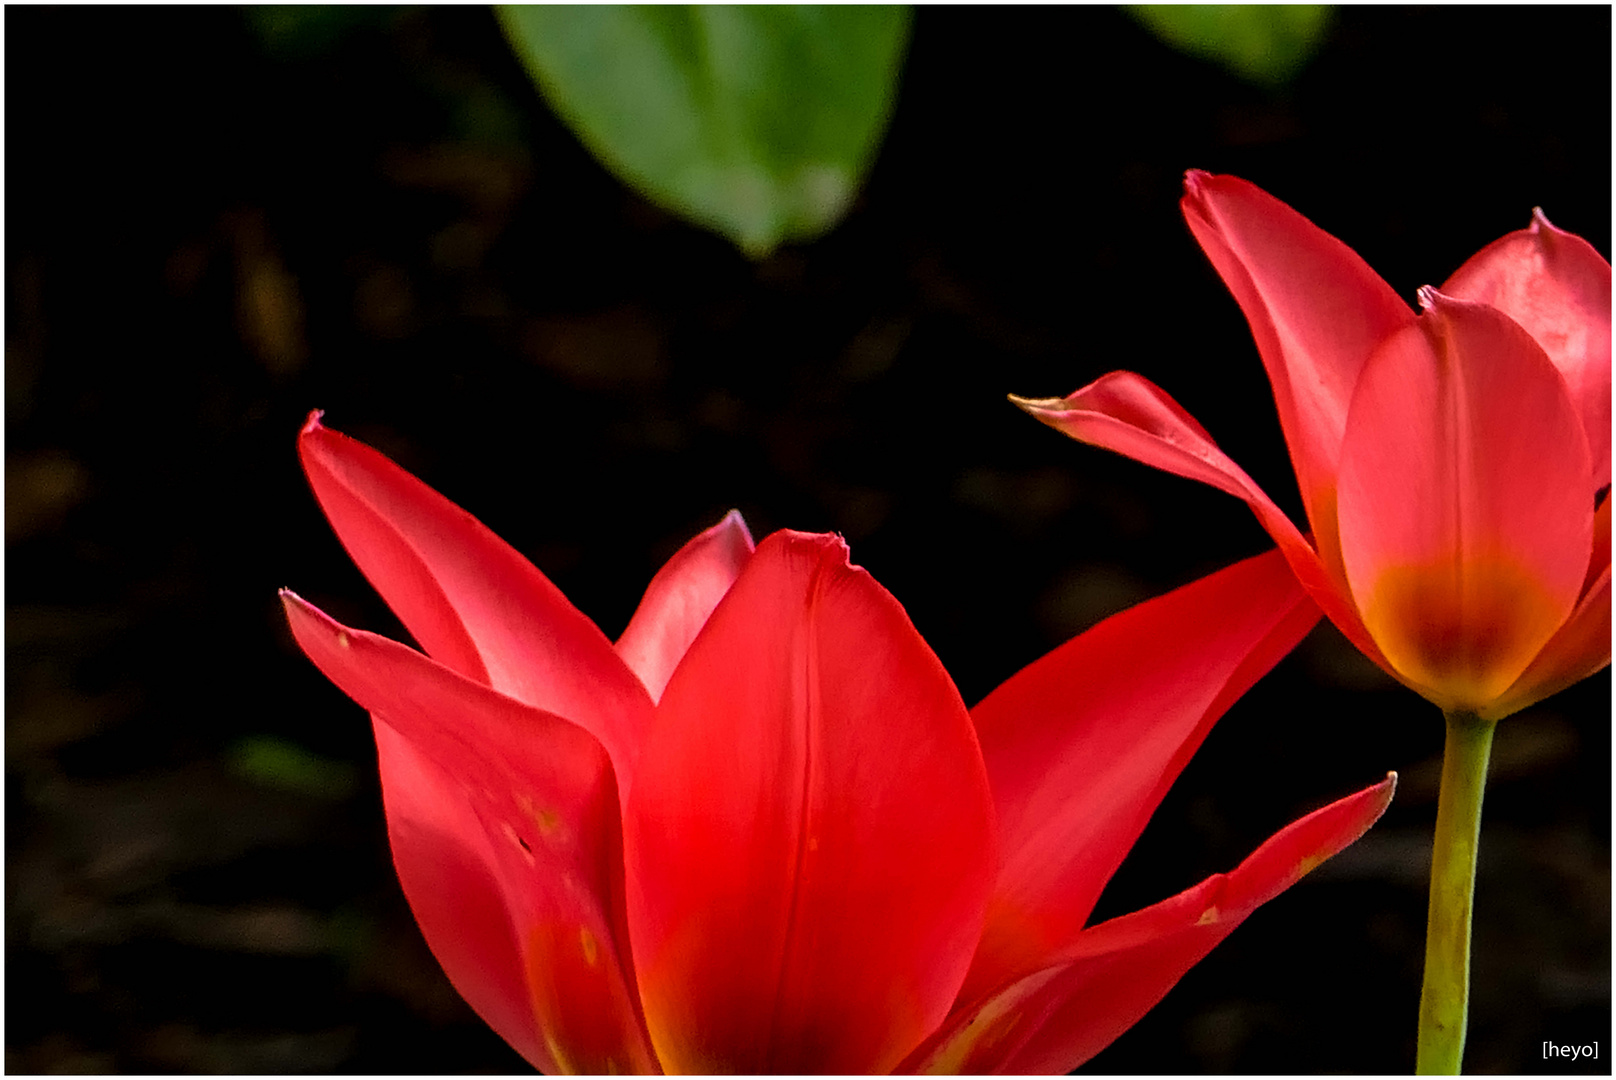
(758, 122)
(304, 31)
(275, 762)
(1264, 43)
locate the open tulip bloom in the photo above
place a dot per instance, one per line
(761, 832)
(1455, 469)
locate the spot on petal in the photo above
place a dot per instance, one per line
(516, 838)
(545, 819)
(591, 947)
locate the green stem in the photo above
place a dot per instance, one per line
(1444, 1000)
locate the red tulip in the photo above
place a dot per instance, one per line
(1455, 465)
(761, 832)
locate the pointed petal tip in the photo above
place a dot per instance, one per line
(733, 535)
(1037, 406)
(681, 597)
(1202, 189)
(316, 633)
(1549, 236)
(1545, 231)
(1388, 787)
(733, 521)
(304, 616)
(1431, 298)
(1372, 802)
(312, 424)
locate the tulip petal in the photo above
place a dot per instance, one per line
(1465, 501)
(505, 830)
(679, 599)
(1599, 557)
(1057, 1018)
(810, 841)
(1082, 745)
(1558, 288)
(1316, 310)
(1579, 648)
(443, 858)
(1130, 415)
(472, 602)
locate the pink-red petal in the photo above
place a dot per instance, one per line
(1054, 1019)
(679, 599)
(1558, 288)
(810, 840)
(1130, 415)
(1465, 504)
(506, 832)
(1082, 745)
(1579, 649)
(1581, 646)
(1316, 310)
(472, 602)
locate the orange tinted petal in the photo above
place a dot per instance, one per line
(1579, 648)
(1465, 502)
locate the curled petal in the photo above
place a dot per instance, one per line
(1054, 1019)
(679, 599)
(1316, 310)
(1130, 415)
(810, 841)
(1466, 514)
(1558, 288)
(473, 603)
(506, 833)
(1082, 745)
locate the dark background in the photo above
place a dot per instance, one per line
(216, 222)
